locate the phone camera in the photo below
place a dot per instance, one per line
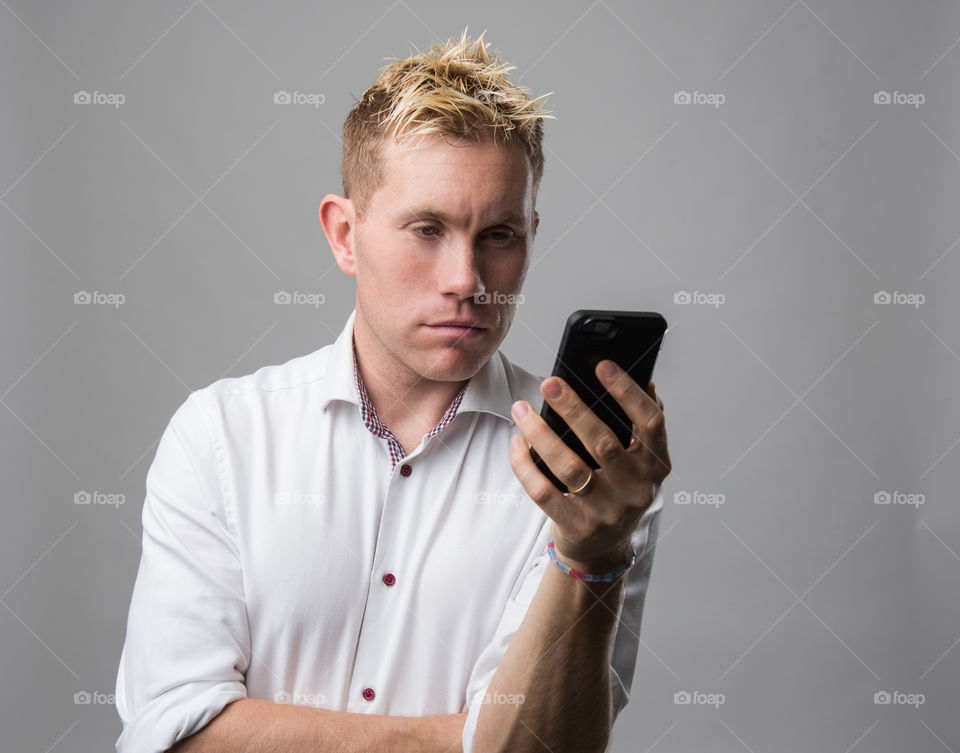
(600, 327)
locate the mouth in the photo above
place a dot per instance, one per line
(458, 328)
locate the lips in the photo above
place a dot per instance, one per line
(459, 323)
(458, 330)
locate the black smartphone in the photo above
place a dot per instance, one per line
(632, 340)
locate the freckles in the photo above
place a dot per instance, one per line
(406, 278)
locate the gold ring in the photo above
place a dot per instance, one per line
(585, 487)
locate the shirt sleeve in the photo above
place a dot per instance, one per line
(187, 641)
(623, 656)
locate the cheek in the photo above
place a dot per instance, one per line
(385, 262)
(506, 273)
(395, 277)
(408, 272)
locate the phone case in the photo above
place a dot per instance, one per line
(632, 340)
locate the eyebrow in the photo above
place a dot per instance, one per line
(426, 212)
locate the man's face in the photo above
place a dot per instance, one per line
(453, 219)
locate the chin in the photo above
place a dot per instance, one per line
(455, 365)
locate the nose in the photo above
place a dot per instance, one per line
(459, 272)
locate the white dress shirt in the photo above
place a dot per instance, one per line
(287, 557)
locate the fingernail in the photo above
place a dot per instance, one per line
(608, 369)
(520, 409)
(552, 389)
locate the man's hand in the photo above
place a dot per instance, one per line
(593, 531)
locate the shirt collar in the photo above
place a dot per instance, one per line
(488, 391)
(368, 410)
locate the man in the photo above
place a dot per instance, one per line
(349, 551)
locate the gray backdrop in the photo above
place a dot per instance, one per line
(776, 178)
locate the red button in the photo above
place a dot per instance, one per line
(405, 470)
(368, 694)
(388, 579)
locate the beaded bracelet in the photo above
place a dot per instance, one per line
(605, 578)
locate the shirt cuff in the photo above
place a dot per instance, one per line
(173, 716)
(470, 725)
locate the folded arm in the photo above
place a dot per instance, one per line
(252, 725)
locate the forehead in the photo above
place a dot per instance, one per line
(456, 171)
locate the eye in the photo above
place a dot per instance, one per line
(501, 237)
(427, 227)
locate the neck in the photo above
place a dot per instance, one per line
(409, 404)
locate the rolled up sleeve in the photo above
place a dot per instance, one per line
(626, 642)
(623, 656)
(187, 642)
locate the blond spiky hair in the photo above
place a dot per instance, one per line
(454, 89)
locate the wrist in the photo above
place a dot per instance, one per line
(607, 566)
(608, 558)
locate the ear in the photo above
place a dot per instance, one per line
(536, 221)
(338, 219)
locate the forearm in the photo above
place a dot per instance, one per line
(559, 662)
(252, 725)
